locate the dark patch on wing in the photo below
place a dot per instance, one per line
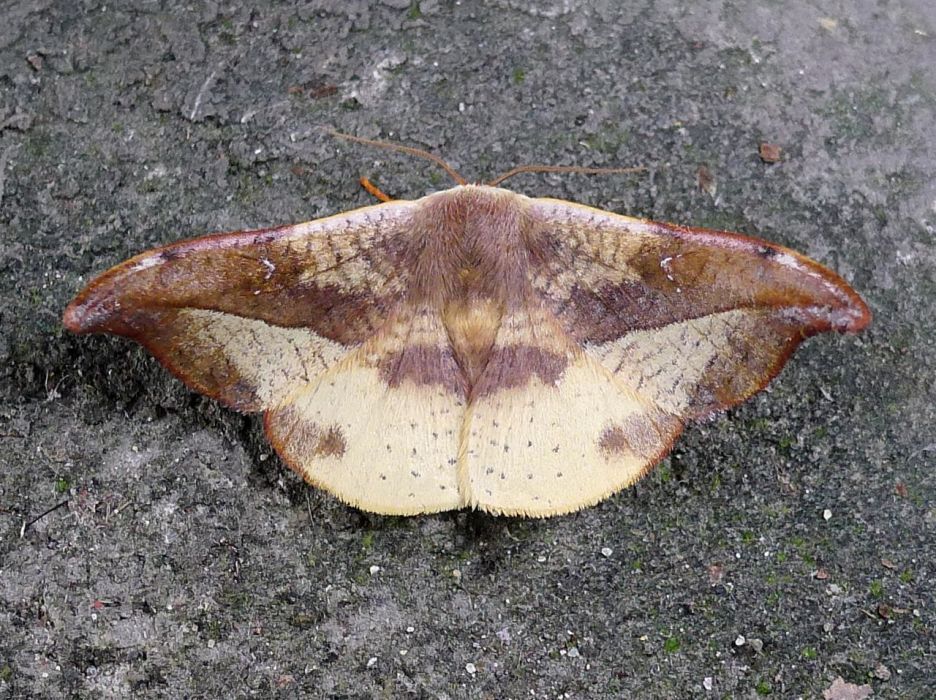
(307, 439)
(647, 435)
(331, 443)
(515, 365)
(424, 365)
(613, 440)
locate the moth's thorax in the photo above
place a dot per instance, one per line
(471, 247)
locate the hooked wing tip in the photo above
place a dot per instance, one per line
(90, 311)
(74, 318)
(860, 316)
(852, 315)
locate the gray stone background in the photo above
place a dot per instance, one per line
(186, 561)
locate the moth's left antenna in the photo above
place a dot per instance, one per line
(409, 150)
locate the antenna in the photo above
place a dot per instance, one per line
(418, 152)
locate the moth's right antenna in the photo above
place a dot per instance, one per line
(560, 169)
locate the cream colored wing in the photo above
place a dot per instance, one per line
(549, 430)
(380, 429)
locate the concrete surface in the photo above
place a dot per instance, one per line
(186, 561)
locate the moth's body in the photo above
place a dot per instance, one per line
(475, 347)
(464, 276)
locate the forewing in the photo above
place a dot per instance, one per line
(693, 320)
(249, 317)
(549, 429)
(380, 429)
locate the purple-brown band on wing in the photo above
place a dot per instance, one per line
(424, 365)
(679, 273)
(273, 275)
(513, 366)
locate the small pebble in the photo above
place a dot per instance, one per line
(881, 672)
(374, 569)
(606, 552)
(739, 642)
(470, 668)
(827, 514)
(371, 662)
(573, 653)
(707, 683)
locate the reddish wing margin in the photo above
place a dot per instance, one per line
(693, 319)
(243, 317)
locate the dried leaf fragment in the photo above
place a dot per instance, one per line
(706, 180)
(842, 690)
(769, 152)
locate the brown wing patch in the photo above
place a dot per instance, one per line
(316, 440)
(647, 434)
(694, 320)
(249, 318)
(606, 275)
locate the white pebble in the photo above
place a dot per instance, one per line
(606, 552)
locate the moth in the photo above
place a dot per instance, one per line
(475, 347)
